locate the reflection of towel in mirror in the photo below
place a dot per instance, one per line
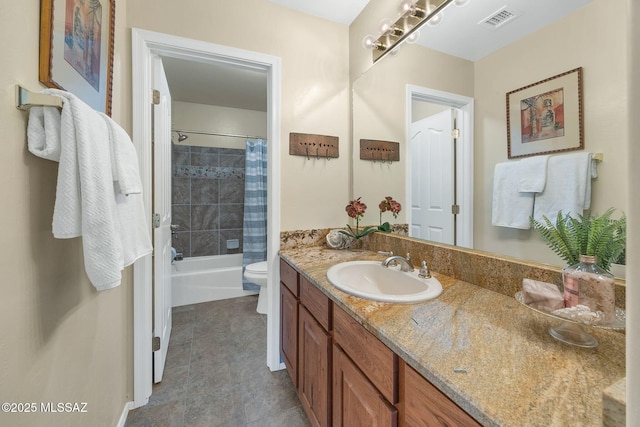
(113, 227)
(510, 208)
(568, 187)
(533, 174)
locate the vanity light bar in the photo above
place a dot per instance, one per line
(421, 12)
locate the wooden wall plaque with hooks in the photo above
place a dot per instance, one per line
(379, 151)
(313, 146)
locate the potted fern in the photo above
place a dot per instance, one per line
(588, 244)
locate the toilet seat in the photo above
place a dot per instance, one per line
(257, 268)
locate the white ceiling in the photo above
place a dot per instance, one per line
(458, 34)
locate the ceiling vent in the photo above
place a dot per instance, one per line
(499, 18)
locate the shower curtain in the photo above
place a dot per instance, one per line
(254, 237)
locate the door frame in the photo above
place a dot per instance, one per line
(464, 227)
(144, 45)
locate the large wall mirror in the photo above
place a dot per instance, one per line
(404, 97)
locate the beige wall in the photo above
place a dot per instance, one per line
(216, 119)
(379, 111)
(60, 340)
(315, 87)
(594, 38)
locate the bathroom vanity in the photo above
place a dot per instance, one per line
(472, 356)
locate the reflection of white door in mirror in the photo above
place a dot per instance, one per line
(432, 178)
(448, 175)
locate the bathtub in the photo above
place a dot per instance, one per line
(209, 278)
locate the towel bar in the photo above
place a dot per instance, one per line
(598, 157)
(25, 99)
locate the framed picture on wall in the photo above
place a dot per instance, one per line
(546, 116)
(76, 49)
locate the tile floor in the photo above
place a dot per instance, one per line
(216, 373)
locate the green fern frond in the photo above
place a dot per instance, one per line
(596, 235)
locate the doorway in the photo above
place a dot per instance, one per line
(146, 45)
(457, 160)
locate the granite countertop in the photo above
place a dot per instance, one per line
(514, 372)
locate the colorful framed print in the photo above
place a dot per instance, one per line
(76, 49)
(546, 116)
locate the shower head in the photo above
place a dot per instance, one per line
(182, 136)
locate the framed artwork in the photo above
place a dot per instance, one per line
(76, 49)
(546, 116)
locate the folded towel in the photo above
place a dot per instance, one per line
(568, 187)
(133, 229)
(533, 174)
(43, 132)
(124, 161)
(510, 208)
(542, 295)
(86, 203)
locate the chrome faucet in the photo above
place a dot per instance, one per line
(405, 265)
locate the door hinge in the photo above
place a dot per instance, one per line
(155, 344)
(155, 220)
(455, 209)
(455, 133)
(156, 97)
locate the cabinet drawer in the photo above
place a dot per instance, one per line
(374, 358)
(422, 404)
(289, 277)
(316, 302)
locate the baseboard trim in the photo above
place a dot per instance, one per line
(125, 411)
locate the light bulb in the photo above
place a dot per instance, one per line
(436, 20)
(369, 41)
(407, 6)
(385, 25)
(413, 37)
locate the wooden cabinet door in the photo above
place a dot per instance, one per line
(422, 404)
(289, 332)
(314, 379)
(356, 402)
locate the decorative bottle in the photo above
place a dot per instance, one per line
(589, 285)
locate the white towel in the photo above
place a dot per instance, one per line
(86, 203)
(124, 161)
(510, 208)
(43, 132)
(533, 174)
(568, 187)
(134, 232)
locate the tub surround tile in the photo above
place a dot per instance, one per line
(515, 370)
(231, 190)
(204, 243)
(205, 217)
(204, 191)
(180, 191)
(231, 215)
(181, 216)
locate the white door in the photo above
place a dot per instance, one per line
(162, 212)
(432, 178)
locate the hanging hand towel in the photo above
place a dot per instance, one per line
(124, 161)
(43, 132)
(510, 208)
(568, 187)
(86, 203)
(533, 174)
(133, 228)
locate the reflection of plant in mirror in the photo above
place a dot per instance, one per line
(356, 209)
(388, 204)
(597, 235)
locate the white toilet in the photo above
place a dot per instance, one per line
(257, 273)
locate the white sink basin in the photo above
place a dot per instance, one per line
(370, 280)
